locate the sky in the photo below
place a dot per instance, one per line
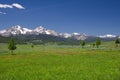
(93, 17)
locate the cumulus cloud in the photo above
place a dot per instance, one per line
(16, 5)
(2, 13)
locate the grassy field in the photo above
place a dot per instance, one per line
(60, 63)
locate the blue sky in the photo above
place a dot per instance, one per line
(93, 17)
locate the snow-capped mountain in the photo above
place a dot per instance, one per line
(18, 30)
(42, 30)
(15, 30)
(79, 36)
(108, 36)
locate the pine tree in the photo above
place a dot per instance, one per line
(32, 45)
(117, 42)
(98, 42)
(83, 44)
(93, 45)
(11, 45)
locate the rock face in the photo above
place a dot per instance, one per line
(18, 30)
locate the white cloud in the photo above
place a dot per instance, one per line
(2, 13)
(18, 6)
(12, 6)
(5, 6)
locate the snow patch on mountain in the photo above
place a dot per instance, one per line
(79, 36)
(2, 31)
(39, 29)
(27, 30)
(75, 33)
(51, 32)
(65, 35)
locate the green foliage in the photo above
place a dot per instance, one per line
(82, 44)
(98, 42)
(117, 42)
(12, 45)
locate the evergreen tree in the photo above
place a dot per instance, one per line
(32, 45)
(93, 45)
(83, 44)
(11, 45)
(98, 42)
(117, 42)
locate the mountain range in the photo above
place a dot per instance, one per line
(22, 34)
(18, 30)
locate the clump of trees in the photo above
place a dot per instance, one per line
(12, 45)
(117, 42)
(97, 43)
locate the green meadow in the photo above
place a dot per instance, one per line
(53, 62)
